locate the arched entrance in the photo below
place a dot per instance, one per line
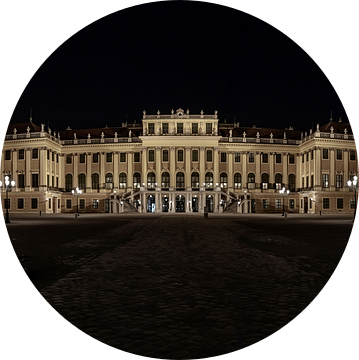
(194, 204)
(151, 205)
(180, 203)
(209, 203)
(165, 204)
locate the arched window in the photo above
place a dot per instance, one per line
(208, 179)
(237, 181)
(165, 181)
(251, 181)
(109, 181)
(82, 181)
(151, 180)
(136, 180)
(68, 182)
(195, 180)
(265, 181)
(122, 178)
(278, 181)
(291, 182)
(223, 179)
(180, 180)
(95, 179)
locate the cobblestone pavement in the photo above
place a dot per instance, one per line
(182, 287)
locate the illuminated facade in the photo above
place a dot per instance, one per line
(180, 162)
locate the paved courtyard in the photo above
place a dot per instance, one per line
(179, 286)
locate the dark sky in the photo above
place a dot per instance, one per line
(179, 54)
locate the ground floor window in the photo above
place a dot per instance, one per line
(352, 204)
(68, 204)
(82, 204)
(34, 203)
(291, 204)
(265, 204)
(94, 204)
(20, 203)
(7, 204)
(278, 204)
(340, 203)
(326, 204)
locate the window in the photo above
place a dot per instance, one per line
(325, 154)
(223, 157)
(136, 157)
(340, 203)
(50, 203)
(325, 180)
(151, 180)
(302, 158)
(180, 155)
(68, 182)
(165, 155)
(57, 158)
(265, 181)
(291, 182)
(251, 181)
(35, 153)
(339, 181)
(122, 157)
(21, 155)
(82, 158)
(151, 128)
(352, 155)
(339, 154)
(21, 181)
(68, 159)
(35, 180)
(7, 154)
(237, 181)
(95, 181)
(265, 204)
(291, 159)
(352, 204)
(208, 128)
(52, 156)
(265, 158)
(7, 204)
(180, 128)
(312, 155)
(109, 157)
(237, 157)
(307, 156)
(109, 181)
(194, 155)
(291, 204)
(151, 155)
(180, 180)
(136, 180)
(68, 204)
(82, 204)
(95, 158)
(122, 180)
(223, 179)
(278, 158)
(278, 181)
(165, 128)
(34, 202)
(251, 157)
(307, 182)
(195, 180)
(20, 204)
(326, 204)
(48, 154)
(208, 180)
(311, 181)
(165, 181)
(194, 128)
(278, 204)
(95, 204)
(209, 156)
(82, 181)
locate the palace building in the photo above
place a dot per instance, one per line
(179, 162)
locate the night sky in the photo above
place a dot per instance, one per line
(167, 55)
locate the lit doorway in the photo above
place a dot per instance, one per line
(151, 205)
(180, 203)
(165, 204)
(209, 203)
(195, 204)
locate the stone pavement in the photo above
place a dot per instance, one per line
(185, 287)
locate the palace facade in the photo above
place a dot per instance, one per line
(179, 162)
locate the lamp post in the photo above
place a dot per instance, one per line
(8, 186)
(77, 192)
(283, 192)
(354, 185)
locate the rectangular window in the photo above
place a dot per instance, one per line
(302, 158)
(35, 180)
(195, 155)
(194, 128)
(180, 155)
(180, 128)
(122, 157)
(165, 155)
(237, 157)
(339, 181)
(136, 157)
(82, 204)
(82, 158)
(50, 202)
(7, 204)
(20, 204)
(151, 128)
(48, 154)
(109, 157)
(209, 156)
(340, 203)
(352, 155)
(325, 182)
(265, 158)
(278, 158)
(68, 159)
(21, 181)
(278, 204)
(291, 204)
(311, 181)
(265, 204)
(325, 154)
(312, 155)
(352, 204)
(35, 153)
(21, 155)
(165, 128)
(68, 204)
(151, 155)
(57, 158)
(208, 128)
(339, 154)
(95, 204)
(223, 157)
(52, 156)
(326, 204)
(307, 181)
(7, 154)
(251, 157)
(34, 202)
(307, 156)
(291, 159)
(95, 158)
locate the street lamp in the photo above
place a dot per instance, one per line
(77, 192)
(8, 186)
(354, 185)
(283, 192)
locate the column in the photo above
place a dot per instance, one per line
(14, 166)
(201, 166)
(298, 177)
(172, 167)
(75, 164)
(51, 172)
(244, 170)
(230, 171)
(285, 170)
(215, 167)
(88, 171)
(258, 167)
(144, 165)
(115, 170)
(187, 178)
(130, 170)
(61, 171)
(2, 162)
(332, 169)
(271, 168)
(158, 167)
(102, 169)
(346, 167)
(309, 169)
(27, 169)
(317, 169)
(43, 167)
